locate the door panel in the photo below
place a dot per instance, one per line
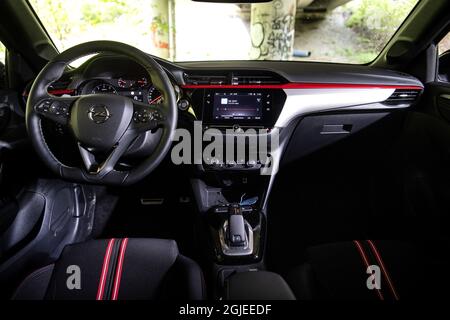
(443, 105)
(437, 100)
(13, 135)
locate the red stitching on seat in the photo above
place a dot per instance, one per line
(366, 262)
(123, 247)
(383, 268)
(105, 267)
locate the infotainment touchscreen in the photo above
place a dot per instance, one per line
(229, 107)
(237, 106)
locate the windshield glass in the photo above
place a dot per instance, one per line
(344, 31)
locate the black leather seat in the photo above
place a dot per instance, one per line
(338, 271)
(132, 269)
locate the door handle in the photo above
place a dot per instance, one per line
(336, 129)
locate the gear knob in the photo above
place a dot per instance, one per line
(236, 227)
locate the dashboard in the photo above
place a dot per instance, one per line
(311, 104)
(256, 94)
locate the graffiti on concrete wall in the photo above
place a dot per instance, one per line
(273, 30)
(159, 32)
(159, 28)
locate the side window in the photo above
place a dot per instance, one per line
(444, 44)
(2, 53)
(444, 59)
(2, 65)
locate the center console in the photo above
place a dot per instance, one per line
(246, 114)
(257, 285)
(229, 187)
(244, 118)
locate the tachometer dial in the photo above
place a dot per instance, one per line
(143, 82)
(104, 88)
(154, 96)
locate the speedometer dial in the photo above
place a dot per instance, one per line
(154, 96)
(104, 88)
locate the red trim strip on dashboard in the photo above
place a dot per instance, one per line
(301, 86)
(55, 92)
(61, 91)
(293, 85)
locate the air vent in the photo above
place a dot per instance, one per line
(60, 88)
(60, 84)
(206, 79)
(255, 79)
(401, 96)
(233, 78)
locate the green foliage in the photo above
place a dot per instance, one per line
(160, 24)
(356, 55)
(363, 57)
(70, 22)
(57, 12)
(377, 21)
(104, 11)
(2, 53)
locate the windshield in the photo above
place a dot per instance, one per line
(341, 31)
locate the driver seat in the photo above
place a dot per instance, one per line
(125, 269)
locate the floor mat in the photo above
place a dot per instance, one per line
(163, 210)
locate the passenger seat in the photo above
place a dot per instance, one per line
(339, 271)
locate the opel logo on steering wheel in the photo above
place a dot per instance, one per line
(99, 114)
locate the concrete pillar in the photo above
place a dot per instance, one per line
(160, 28)
(272, 30)
(303, 3)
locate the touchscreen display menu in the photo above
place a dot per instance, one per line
(237, 106)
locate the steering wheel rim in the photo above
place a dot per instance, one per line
(75, 112)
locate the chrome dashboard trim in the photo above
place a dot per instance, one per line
(300, 102)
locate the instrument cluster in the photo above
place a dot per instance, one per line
(137, 89)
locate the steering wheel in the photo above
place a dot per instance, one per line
(103, 124)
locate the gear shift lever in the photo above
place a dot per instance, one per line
(236, 226)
